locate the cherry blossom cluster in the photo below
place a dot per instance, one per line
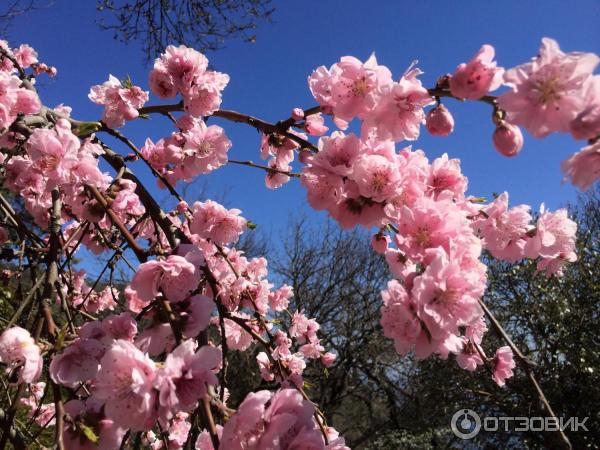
(121, 102)
(143, 362)
(183, 70)
(194, 150)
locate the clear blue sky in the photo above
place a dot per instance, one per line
(268, 79)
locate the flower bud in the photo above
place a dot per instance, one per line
(508, 139)
(327, 359)
(182, 207)
(380, 242)
(439, 121)
(297, 114)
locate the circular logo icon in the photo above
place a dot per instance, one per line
(465, 423)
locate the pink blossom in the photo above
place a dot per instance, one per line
(399, 317)
(176, 70)
(183, 70)
(265, 366)
(328, 358)
(469, 358)
(196, 316)
(583, 168)
(178, 431)
(126, 202)
(54, 152)
(587, 123)
(553, 240)
(237, 337)
(121, 102)
(445, 175)
(377, 177)
(504, 230)
(211, 220)
(78, 363)
(429, 224)
(120, 326)
(89, 414)
(503, 365)
(14, 100)
(479, 76)
(175, 277)
(275, 178)
(380, 242)
(399, 114)
(350, 88)
(125, 383)
(446, 296)
(439, 121)
(204, 96)
(508, 139)
(185, 376)
(548, 92)
(284, 424)
(21, 355)
(279, 299)
(156, 339)
(205, 149)
(297, 114)
(25, 55)
(204, 441)
(315, 125)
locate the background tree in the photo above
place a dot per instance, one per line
(337, 279)
(202, 24)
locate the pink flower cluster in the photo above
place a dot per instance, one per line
(15, 100)
(196, 149)
(26, 58)
(548, 93)
(283, 420)
(184, 70)
(388, 109)
(55, 158)
(21, 355)
(44, 414)
(121, 102)
(136, 393)
(509, 235)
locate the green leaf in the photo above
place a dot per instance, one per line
(89, 433)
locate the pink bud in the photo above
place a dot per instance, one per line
(182, 207)
(439, 121)
(327, 359)
(303, 156)
(380, 242)
(297, 114)
(508, 139)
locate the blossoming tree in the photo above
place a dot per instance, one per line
(147, 365)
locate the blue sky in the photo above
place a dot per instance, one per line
(268, 79)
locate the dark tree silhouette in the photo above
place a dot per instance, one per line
(202, 24)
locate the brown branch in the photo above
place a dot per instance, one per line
(234, 116)
(268, 169)
(140, 253)
(527, 366)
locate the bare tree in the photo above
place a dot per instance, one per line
(13, 8)
(202, 24)
(337, 279)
